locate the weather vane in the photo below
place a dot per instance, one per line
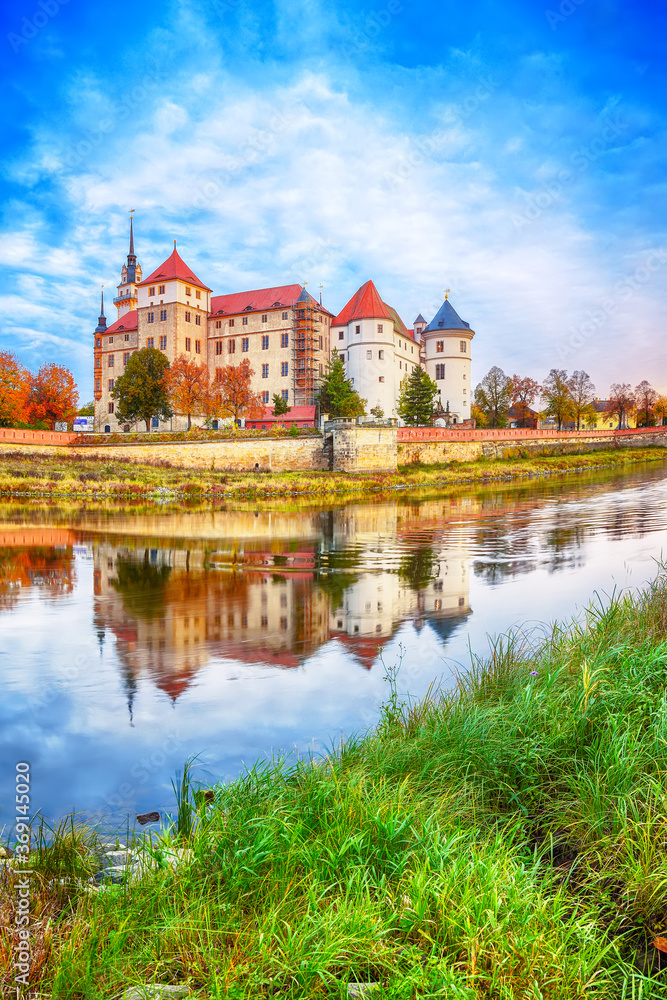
(446, 293)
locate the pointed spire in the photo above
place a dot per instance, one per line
(102, 303)
(131, 236)
(102, 320)
(130, 277)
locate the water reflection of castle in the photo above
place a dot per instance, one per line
(352, 576)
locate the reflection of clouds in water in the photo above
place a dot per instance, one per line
(160, 622)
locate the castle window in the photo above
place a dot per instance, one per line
(126, 357)
(265, 318)
(163, 343)
(98, 362)
(245, 344)
(341, 335)
(218, 347)
(244, 320)
(218, 324)
(265, 397)
(342, 358)
(231, 347)
(284, 394)
(320, 343)
(440, 347)
(231, 322)
(284, 339)
(284, 368)
(111, 384)
(188, 317)
(380, 327)
(439, 372)
(197, 320)
(357, 330)
(188, 290)
(150, 341)
(127, 336)
(111, 340)
(265, 371)
(111, 357)
(381, 378)
(265, 342)
(462, 346)
(197, 346)
(369, 355)
(400, 365)
(151, 317)
(160, 290)
(381, 355)
(285, 315)
(98, 385)
(98, 342)
(111, 407)
(163, 315)
(188, 344)
(151, 290)
(197, 293)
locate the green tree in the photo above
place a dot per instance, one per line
(416, 397)
(140, 392)
(280, 405)
(493, 396)
(88, 410)
(337, 397)
(558, 397)
(582, 393)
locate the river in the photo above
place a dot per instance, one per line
(133, 638)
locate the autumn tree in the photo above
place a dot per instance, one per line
(232, 394)
(140, 392)
(645, 397)
(187, 384)
(557, 397)
(660, 410)
(416, 398)
(337, 396)
(280, 406)
(523, 393)
(15, 381)
(493, 396)
(582, 394)
(621, 403)
(53, 395)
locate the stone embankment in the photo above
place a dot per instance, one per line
(346, 447)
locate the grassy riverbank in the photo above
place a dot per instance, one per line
(509, 841)
(39, 475)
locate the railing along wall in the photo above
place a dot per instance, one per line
(511, 433)
(14, 436)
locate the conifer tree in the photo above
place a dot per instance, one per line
(280, 405)
(337, 396)
(416, 397)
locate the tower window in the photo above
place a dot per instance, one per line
(98, 362)
(245, 344)
(369, 355)
(188, 344)
(98, 342)
(188, 316)
(98, 385)
(284, 339)
(341, 335)
(381, 328)
(160, 290)
(440, 347)
(197, 346)
(284, 368)
(163, 343)
(265, 342)
(231, 347)
(381, 378)
(151, 290)
(357, 331)
(439, 372)
(265, 371)
(381, 355)
(462, 346)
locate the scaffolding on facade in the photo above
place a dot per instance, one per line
(307, 349)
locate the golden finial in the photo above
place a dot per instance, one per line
(446, 293)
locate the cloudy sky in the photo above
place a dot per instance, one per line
(509, 152)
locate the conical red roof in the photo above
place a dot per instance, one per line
(364, 304)
(174, 267)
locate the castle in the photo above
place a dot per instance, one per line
(287, 336)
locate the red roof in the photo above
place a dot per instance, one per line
(126, 322)
(364, 304)
(174, 267)
(256, 300)
(297, 415)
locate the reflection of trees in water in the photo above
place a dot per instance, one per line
(418, 567)
(48, 568)
(142, 585)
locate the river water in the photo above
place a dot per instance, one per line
(131, 639)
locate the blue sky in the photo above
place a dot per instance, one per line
(512, 152)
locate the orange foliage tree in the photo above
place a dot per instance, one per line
(188, 387)
(231, 393)
(54, 395)
(15, 381)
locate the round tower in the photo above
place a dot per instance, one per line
(447, 343)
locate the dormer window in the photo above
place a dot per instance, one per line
(248, 309)
(441, 323)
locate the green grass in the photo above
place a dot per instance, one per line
(37, 474)
(508, 840)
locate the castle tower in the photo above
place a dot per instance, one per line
(130, 276)
(447, 340)
(102, 320)
(419, 327)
